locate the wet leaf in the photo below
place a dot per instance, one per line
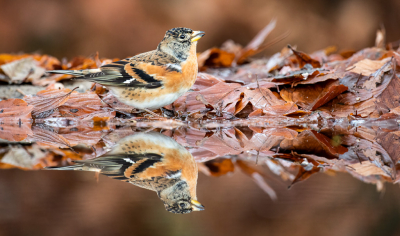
(47, 100)
(304, 59)
(82, 104)
(310, 97)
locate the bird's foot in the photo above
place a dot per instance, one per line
(167, 113)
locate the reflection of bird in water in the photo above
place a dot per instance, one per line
(152, 161)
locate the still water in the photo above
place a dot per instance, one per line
(236, 180)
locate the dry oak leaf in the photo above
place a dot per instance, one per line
(310, 97)
(219, 96)
(364, 87)
(215, 57)
(82, 104)
(25, 68)
(367, 66)
(47, 100)
(304, 59)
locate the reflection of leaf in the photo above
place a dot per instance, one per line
(22, 157)
(15, 124)
(367, 168)
(303, 174)
(219, 167)
(313, 142)
(258, 177)
(49, 138)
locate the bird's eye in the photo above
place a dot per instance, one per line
(182, 205)
(182, 36)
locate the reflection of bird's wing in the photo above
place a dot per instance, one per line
(133, 168)
(122, 166)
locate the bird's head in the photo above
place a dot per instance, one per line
(177, 199)
(179, 41)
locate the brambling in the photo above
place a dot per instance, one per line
(152, 161)
(152, 79)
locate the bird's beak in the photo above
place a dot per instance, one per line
(196, 206)
(196, 35)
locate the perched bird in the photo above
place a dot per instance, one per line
(152, 161)
(152, 79)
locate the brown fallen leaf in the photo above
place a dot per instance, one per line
(22, 69)
(47, 100)
(215, 57)
(82, 104)
(205, 81)
(260, 98)
(364, 87)
(367, 66)
(310, 97)
(296, 76)
(304, 59)
(219, 96)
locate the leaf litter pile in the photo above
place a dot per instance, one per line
(292, 115)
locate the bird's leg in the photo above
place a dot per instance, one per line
(152, 113)
(129, 115)
(166, 112)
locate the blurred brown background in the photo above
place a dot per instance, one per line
(55, 203)
(121, 28)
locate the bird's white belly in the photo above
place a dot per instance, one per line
(150, 103)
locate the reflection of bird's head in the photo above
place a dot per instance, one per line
(177, 199)
(178, 41)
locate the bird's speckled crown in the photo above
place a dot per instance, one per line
(178, 31)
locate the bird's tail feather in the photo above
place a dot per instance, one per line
(66, 72)
(77, 73)
(74, 167)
